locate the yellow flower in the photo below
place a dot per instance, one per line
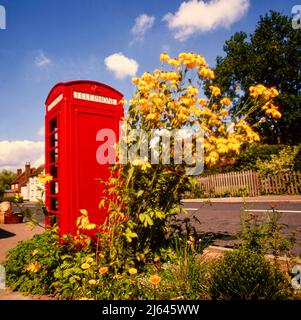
(261, 90)
(164, 57)
(212, 157)
(18, 196)
(207, 73)
(150, 116)
(174, 62)
(226, 101)
(89, 259)
(154, 279)
(143, 164)
(191, 90)
(92, 282)
(103, 270)
(222, 148)
(135, 81)
(216, 91)
(133, 271)
(85, 266)
(191, 60)
(34, 252)
(202, 101)
(44, 177)
(274, 113)
(224, 112)
(33, 267)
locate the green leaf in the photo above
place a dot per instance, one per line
(84, 212)
(101, 203)
(130, 235)
(160, 214)
(140, 193)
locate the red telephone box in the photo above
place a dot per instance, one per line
(75, 112)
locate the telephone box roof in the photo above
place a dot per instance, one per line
(76, 82)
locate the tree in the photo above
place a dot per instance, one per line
(6, 178)
(271, 56)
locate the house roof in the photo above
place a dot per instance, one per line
(39, 170)
(18, 178)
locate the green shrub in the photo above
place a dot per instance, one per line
(297, 163)
(245, 274)
(31, 263)
(264, 234)
(246, 160)
(278, 163)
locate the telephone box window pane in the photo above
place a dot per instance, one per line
(54, 171)
(54, 155)
(54, 187)
(53, 125)
(54, 140)
(54, 204)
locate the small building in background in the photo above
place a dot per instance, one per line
(22, 178)
(27, 183)
(35, 187)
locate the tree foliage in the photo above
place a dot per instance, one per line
(6, 177)
(271, 56)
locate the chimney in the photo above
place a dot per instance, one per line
(19, 172)
(27, 169)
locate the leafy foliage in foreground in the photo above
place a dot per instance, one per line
(247, 275)
(31, 264)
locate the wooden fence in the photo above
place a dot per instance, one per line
(247, 183)
(282, 183)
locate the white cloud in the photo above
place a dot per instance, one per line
(41, 60)
(196, 16)
(142, 23)
(41, 132)
(14, 154)
(121, 66)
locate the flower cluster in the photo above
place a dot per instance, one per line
(143, 164)
(266, 94)
(45, 177)
(33, 267)
(261, 90)
(170, 98)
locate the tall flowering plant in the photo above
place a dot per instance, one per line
(172, 98)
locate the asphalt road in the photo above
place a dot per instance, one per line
(221, 222)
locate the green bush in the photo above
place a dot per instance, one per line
(283, 162)
(31, 263)
(246, 160)
(247, 275)
(264, 234)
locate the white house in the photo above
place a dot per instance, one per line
(35, 186)
(32, 190)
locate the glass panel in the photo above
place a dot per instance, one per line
(54, 155)
(54, 204)
(54, 187)
(53, 125)
(54, 140)
(54, 171)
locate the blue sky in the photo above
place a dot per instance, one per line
(46, 42)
